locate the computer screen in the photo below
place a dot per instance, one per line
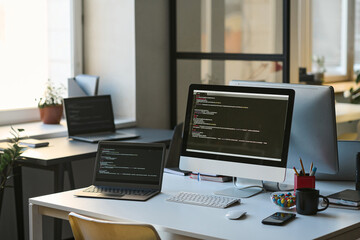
(313, 133)
(237, 131)
(129, 164)
(89, 114)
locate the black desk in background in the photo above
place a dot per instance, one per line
(58, 157)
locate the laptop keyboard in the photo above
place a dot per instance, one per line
(103, 135)
(119, 191)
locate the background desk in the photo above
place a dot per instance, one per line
(58, 157)
(62, 149)
(347, 119)
(197, 221)
(346, 112)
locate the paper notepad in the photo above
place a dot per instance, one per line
(347, 197)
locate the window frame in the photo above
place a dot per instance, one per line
(175, 55)
(305, 40)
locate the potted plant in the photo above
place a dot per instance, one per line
(8, 158)
(51, 104)
(320, 68)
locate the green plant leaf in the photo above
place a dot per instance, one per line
(9, 156)
(357, 80)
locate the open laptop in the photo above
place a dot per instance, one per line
(128, 171)
(91, 119)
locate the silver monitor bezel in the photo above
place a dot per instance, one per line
(313, 134)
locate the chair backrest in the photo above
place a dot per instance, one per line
(86, 228)
(173, 157)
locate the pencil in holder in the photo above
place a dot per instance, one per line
(304, 182)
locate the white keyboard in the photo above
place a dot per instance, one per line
(215, 201)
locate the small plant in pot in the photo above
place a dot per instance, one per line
(319, 68)
(51, 104)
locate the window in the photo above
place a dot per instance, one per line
(332, 27)
(357, 36)
(23, 52)
(216, 41)
(36, 43)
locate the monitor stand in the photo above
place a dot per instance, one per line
(278, 187)
(243, 188)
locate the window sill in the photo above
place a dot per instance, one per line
(340, 87)
(41, 131)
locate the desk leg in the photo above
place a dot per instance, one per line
(19, 201)
(1, 198)
(35, 223)
(70, 174)
(58, 187)
(59, 178)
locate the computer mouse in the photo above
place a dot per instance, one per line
(235, 214)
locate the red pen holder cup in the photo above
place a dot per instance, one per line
(304, 182)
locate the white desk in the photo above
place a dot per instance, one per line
(40, 130)
(197, 221)
(346, 112)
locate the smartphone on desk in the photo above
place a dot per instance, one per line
(278, 218)
(33, 143)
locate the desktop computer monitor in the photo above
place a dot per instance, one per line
(237, 131)
(313, 132)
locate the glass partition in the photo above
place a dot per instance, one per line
(221, 73)
(216, 41)
(230, 26)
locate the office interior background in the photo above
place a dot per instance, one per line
(130, 45)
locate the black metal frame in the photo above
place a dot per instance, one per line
(174, 55)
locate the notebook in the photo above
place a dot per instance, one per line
(127, 171)
(91, 119)
(346, 197)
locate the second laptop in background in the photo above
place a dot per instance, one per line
(91, 119)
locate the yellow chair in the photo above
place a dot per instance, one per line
(86, 228)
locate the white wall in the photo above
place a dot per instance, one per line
(109, 50)
(126, 43)
(152, 63)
